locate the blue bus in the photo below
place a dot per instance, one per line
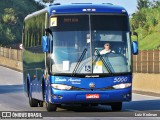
(78, 54)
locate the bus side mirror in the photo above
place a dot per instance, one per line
(134, 43)
(45, 44)
(135, 48)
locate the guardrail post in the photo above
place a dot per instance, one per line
(17, 55)
(4, 52)
(147, 62)
(159, 61)
(141, 61)
(1, 51)
(153, 61)
(10, 53)
(136, 63)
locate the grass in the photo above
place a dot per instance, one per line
(150, 42)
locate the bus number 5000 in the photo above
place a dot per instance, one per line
(120, 79)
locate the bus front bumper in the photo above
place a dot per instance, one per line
(78, 97)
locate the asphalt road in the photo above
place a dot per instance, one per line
(12, 98)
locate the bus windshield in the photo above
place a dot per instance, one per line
(79, 44)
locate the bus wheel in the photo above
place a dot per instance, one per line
(33, 102)
(116, 106)
(85, 105)
(51, 107)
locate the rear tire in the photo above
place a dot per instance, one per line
(51, 107)
(116, 106)
(33, 102)
(85, 105)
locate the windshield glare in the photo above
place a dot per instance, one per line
(102, 47)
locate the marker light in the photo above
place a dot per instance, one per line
(123, 11)
(122, 86)
(88, 10)
(93, 10)
(61, 87)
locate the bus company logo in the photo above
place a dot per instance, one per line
(74, 81)
(92, 85)
(57, 79)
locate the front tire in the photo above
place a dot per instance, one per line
(85, 105)
(51, 107)
(116, 106)
(33, 102)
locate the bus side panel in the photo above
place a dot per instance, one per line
(33, 56)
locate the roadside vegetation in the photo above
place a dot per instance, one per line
(12, 14)
(146, 22)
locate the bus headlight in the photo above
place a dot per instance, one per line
(122, 86)
(61, 87)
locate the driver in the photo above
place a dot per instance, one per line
(106, 49)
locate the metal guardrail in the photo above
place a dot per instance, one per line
(13, 54)
(147, 61)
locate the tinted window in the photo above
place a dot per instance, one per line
(34, 30)
(109, 22)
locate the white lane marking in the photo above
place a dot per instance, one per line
(13, 84)
(147, 95)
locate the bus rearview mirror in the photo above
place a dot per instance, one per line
(135, 48)
(45, 45)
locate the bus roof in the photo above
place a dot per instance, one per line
(88, 8)
(81, 8)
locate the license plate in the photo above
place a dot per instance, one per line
(92, 96)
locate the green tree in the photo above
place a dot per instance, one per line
(143, 4)
(12, 14)
(9, 34)
(9, 16)
(138, 20)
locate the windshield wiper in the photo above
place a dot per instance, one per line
(79, 61)
(105, 64)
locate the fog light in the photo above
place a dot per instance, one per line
(57, 96)
(128, 95)
(60, 97)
